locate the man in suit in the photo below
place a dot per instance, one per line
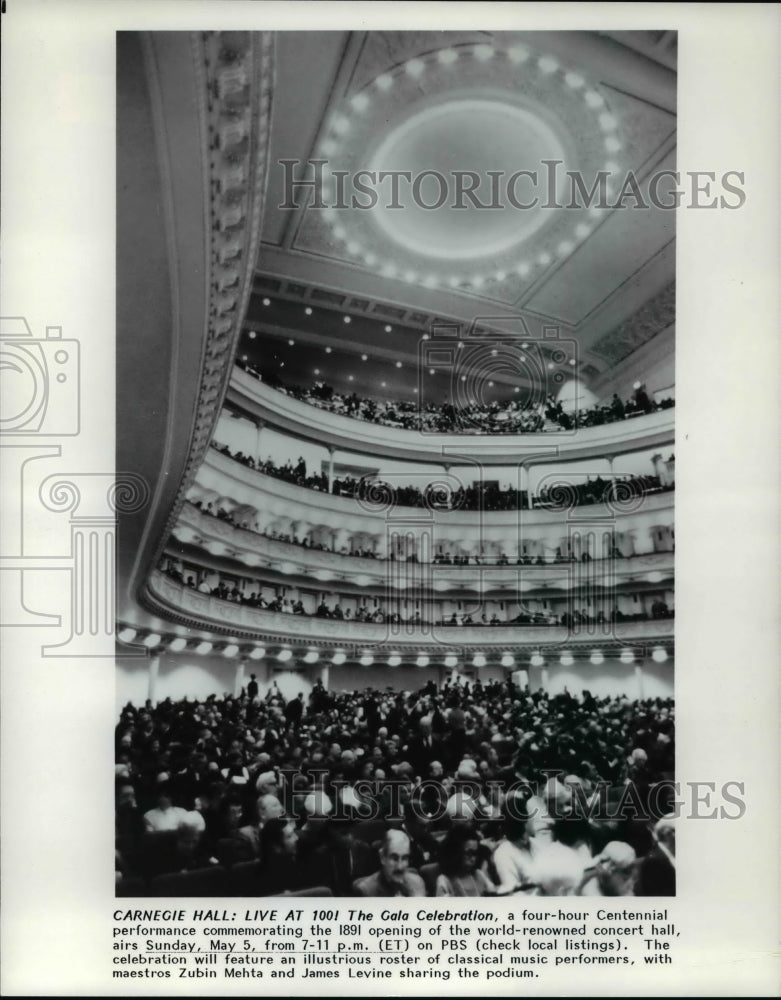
(245, 844)
(423, 748)
(394, 878)
(340, 858)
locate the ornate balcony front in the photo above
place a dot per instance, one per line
(260, 402)
(253, 550)
(185, 606)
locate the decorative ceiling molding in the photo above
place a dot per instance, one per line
(654, 317)
(236, 73)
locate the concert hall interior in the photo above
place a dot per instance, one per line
(401, 481)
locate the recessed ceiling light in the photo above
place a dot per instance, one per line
(494, 351)
(385, 81)
(523, 270)
(490, 385)
(308, 310)
(582, 230)
(350, 378)
(252, 335)
(340, 232)
(360, 102)
(328, 146)
(292, 343)
(574, 80)
(398, 364)
(607, 121)
(548, 64)
(593, 99)
(410, 276)
(281, 364)
(371, 259)
(544, 259)
(460, 345)
(384, 385)
(317, 371)
(483, 52)
(432, 371)
(341, 125)
(347, 319)
(565, 247)
(266, 302)
(388, 328)
(328, 350)
(612, 145)
(415, 389)
(415, 67)
(244, 357)
(518, 54)
(353, 247)
(364, 357)
(447, 56)
(500, 275)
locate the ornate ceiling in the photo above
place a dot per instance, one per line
(436, 104)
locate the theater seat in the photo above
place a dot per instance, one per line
(133, 886)
(429, 874)
(200, 882)
(317, 890)
(244, 879)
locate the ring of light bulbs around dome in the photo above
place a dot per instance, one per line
(595, 137)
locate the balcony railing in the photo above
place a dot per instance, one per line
(260, 401)
(280, 499)
(254, 550)
(188, 606)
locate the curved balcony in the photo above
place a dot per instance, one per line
(262, 403)
(251, 549)
(179, 603)
(279, 501)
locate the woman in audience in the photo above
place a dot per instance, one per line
(458, 862)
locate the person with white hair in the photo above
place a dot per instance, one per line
(246, 843)
(395, 877)
(612, 873)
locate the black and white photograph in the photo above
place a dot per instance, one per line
(389, 499)
(398, 618)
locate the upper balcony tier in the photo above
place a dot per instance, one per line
(259, 402)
